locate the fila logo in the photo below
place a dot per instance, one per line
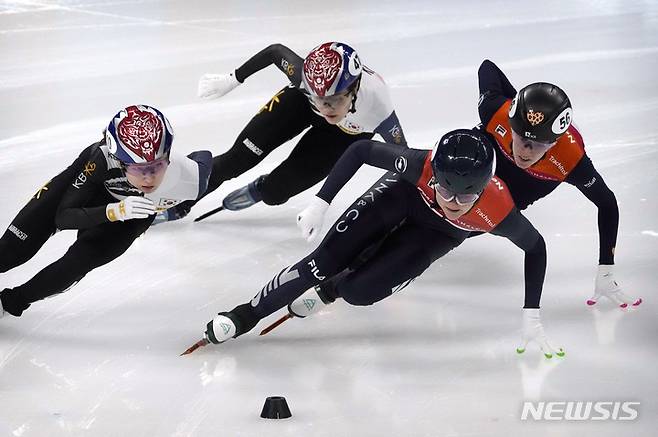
(316, 271)
(500, 130)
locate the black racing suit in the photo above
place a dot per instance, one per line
(525, 186)
(407, 231)
(74, 199)
(288, 113)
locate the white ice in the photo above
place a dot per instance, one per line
(439, 358)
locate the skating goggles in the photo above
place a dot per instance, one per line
(149, 168)
(518, 139)
(333, 102)
(449, 196)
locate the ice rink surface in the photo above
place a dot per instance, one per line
(437, 359)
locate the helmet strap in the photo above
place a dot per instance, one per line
(355, 91)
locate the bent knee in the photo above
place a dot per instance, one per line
(359, 295)
(273, 194)
(357, 299)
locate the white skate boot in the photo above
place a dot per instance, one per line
(312, 301)
(220, 329)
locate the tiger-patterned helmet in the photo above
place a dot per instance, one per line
(331, 68)
(139, 134)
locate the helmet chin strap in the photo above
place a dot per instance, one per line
(353, 106)
(355, 91)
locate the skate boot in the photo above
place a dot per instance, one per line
(220, 329)
(234, 323)
(313, 300)
(10, 303)
(310, 302)
(174, 213)
(244, 197)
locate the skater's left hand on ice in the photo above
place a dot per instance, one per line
(310, 220)
(607, 286)
(533, 330)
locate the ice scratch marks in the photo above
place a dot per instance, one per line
(68, 383)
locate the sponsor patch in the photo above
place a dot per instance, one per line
(251, 146)
(401, 164)
(20, 234)
(534, 118)
(500, 130)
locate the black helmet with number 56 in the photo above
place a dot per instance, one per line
(541, 112)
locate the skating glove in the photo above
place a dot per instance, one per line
(212, 86)
(310, 220)
(132, 207)
(534, 331)
(607, 286)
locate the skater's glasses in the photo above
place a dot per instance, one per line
(147, 169)
(519, 140)
(334, 102)
(449, 196)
